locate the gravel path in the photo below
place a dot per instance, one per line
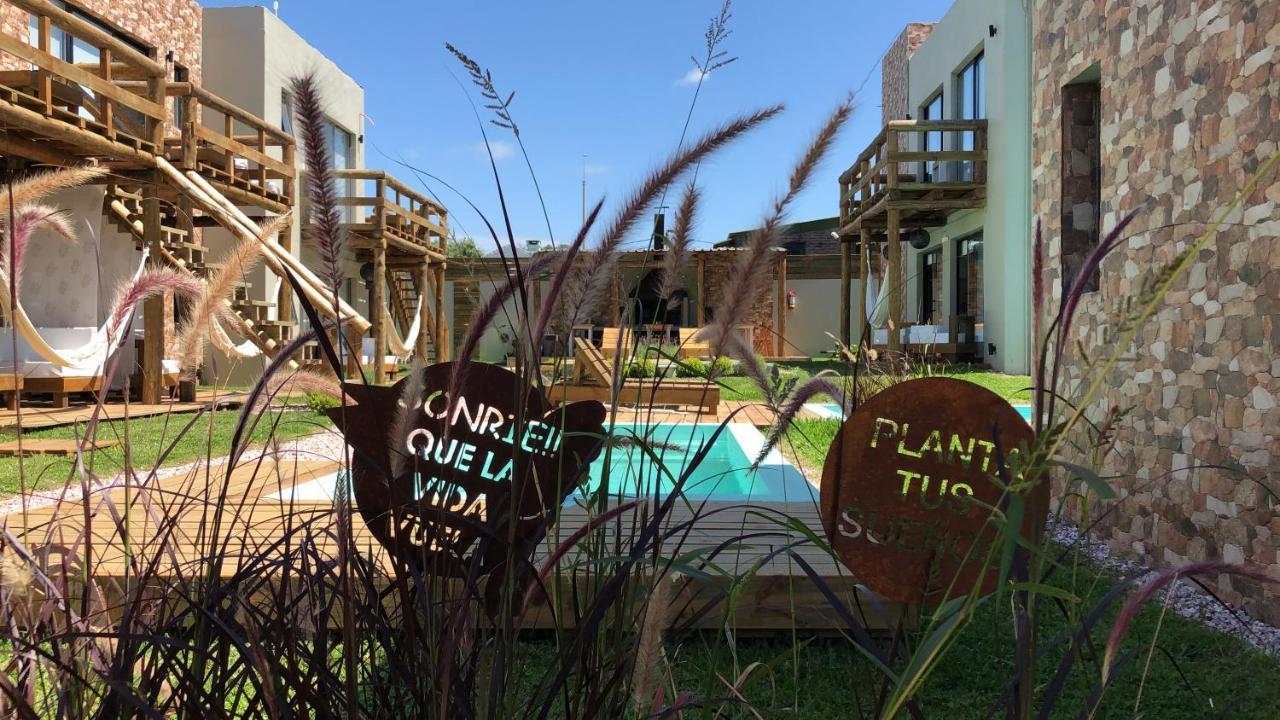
(1184, 597)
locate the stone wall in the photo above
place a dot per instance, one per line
(1190, 108)
(165, 25)
(893, 71)
(719, 275)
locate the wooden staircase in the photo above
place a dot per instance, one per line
(402, 295)
(124, 210)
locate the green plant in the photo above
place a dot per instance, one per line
(691, 368)
(640, 369)
(319, 402)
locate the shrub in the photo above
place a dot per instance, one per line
(691, 368)
(724, 367)
(638, 369)
(319, 402)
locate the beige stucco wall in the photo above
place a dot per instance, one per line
(251, 57)
(1006, 220)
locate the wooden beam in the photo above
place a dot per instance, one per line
(153, 309)
(702, 290)
(780, 334)
(893, 274)
(443, 352)
(11, 145)
(864, 274)
(378, 314)
(424, 311)
(846, 281)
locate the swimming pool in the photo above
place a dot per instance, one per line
(835, 412)
(723, 475)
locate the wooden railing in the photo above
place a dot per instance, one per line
(897, 160)
(232, 146)
(89, 99)
(407, 219)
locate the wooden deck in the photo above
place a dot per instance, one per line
(779, 597)
(37, 418)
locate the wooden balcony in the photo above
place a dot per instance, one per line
(385, 213)
(59, 113)
(248, 159)
(917, 170)
(121, 111)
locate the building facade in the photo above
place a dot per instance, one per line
(1166, 110)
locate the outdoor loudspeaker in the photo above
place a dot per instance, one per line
(918, 239)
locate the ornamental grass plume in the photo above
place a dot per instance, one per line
(677, 251)
(27, 220)
(326, 217)
(593, 278)
(154, 282)
(751, 274)
(40, 185)
(212, 302)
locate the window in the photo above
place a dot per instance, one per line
(65, 46)
(180, 74)
(931, 110)
(970, 105)
(1081, 177)
(969, 277)
(931, 287)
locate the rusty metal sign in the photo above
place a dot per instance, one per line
(909, 484)
(438, 479)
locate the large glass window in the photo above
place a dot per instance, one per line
(931, 110)
(969, 277)
(970, 105)
(931, 287)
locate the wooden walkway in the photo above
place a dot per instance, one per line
(732, 410)
(164, 518)
(36, 418)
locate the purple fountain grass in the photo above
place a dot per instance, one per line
(549, 307)
(243, 258)
(26, 221)
(594, 277)
(306, 381)
(326, 219)
(751, 274)
(155, 281)
(786, 411)
(1130, 610)
(677, 251)
(488, 311)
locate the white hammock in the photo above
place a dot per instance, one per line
(403, 347)
(877, 302)
(93, 353)
(219, 339)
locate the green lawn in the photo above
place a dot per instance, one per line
(1015, 388)
(148, 438)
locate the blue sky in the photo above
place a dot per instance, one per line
(610, 80)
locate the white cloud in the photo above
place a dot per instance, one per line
(692, 77)
(501, 149)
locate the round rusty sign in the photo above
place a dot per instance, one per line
(907, 485)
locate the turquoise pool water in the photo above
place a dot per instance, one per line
(832, 410)
(724, 474)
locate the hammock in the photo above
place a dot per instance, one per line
(92, 353)
(403, 347)
(219, 339)
(877, 302)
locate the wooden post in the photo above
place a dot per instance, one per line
(702, 290)
(378, 313)
(894, 276)
(443, 352)
(44, 81)
(780, 332)
(846, 280)
(424, 310)
(864, 277)
(153, 308)
(284, 297)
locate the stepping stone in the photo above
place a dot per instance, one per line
(52, 447)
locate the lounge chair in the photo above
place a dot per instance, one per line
(593, 380)
(690, 346)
